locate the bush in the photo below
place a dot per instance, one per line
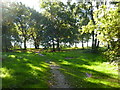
(112, 56)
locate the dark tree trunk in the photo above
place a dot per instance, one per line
(58, 45)
(25, 47)
(108, 46)
(82, 44)
(93, 45)
(87, 44)
(53, 46)
(75, 45)
(98, 44)
(113, 44)
(93, 33)
(36, 44)
(95, 40)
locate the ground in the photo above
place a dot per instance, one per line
(58, 80)
(79, 68)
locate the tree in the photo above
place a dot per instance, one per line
(87, 37)
(9, 33)
(22, 22)
(109, 28)
(61, 22)
(36, 26)
(65, 21)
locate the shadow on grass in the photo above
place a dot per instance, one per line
(75, 71)
(78, 75)
(24, 70)
(29, 70)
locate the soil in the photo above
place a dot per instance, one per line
(58, 78)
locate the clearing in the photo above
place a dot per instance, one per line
(75, 68)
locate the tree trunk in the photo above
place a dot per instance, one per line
(98, 44)
(82, 44)
(58, 45)
(25, 47)
(93, 45)
(93, 41)
(87, 44)
(75, 45)
(108, 45)
(36, 44)
(53, 46)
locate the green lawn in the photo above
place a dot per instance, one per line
(26, 69)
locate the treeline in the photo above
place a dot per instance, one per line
(59, 25)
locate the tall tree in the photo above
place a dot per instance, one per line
(9, 33)
(22, 22)
(109, 27)
(36, 26)
(62, 22)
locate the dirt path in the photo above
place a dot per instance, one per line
(58, 78)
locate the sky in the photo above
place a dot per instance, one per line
(33, 3)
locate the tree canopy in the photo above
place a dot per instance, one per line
(60, 24)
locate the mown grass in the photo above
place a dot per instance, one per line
(76, 63)
(24, 70)
(30, 70)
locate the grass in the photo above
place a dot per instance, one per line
(29, 70)
(24, 70)
(79, 63)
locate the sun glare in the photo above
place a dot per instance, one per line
(34, 3)
(31, 3)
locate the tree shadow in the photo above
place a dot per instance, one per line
(75, 72)
(26, 70)
(77, 78)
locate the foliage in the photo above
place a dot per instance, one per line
(22, 22)
(66, 19)
(108, 25)
(60, 24)
(9, 34)
(36, 26)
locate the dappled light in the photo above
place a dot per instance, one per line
(75, 69)
(64, 44)
(5, 73)
(65, 63)
(25, 69)
(13, 56)
(33, 68)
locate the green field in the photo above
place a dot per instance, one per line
(30, 70)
